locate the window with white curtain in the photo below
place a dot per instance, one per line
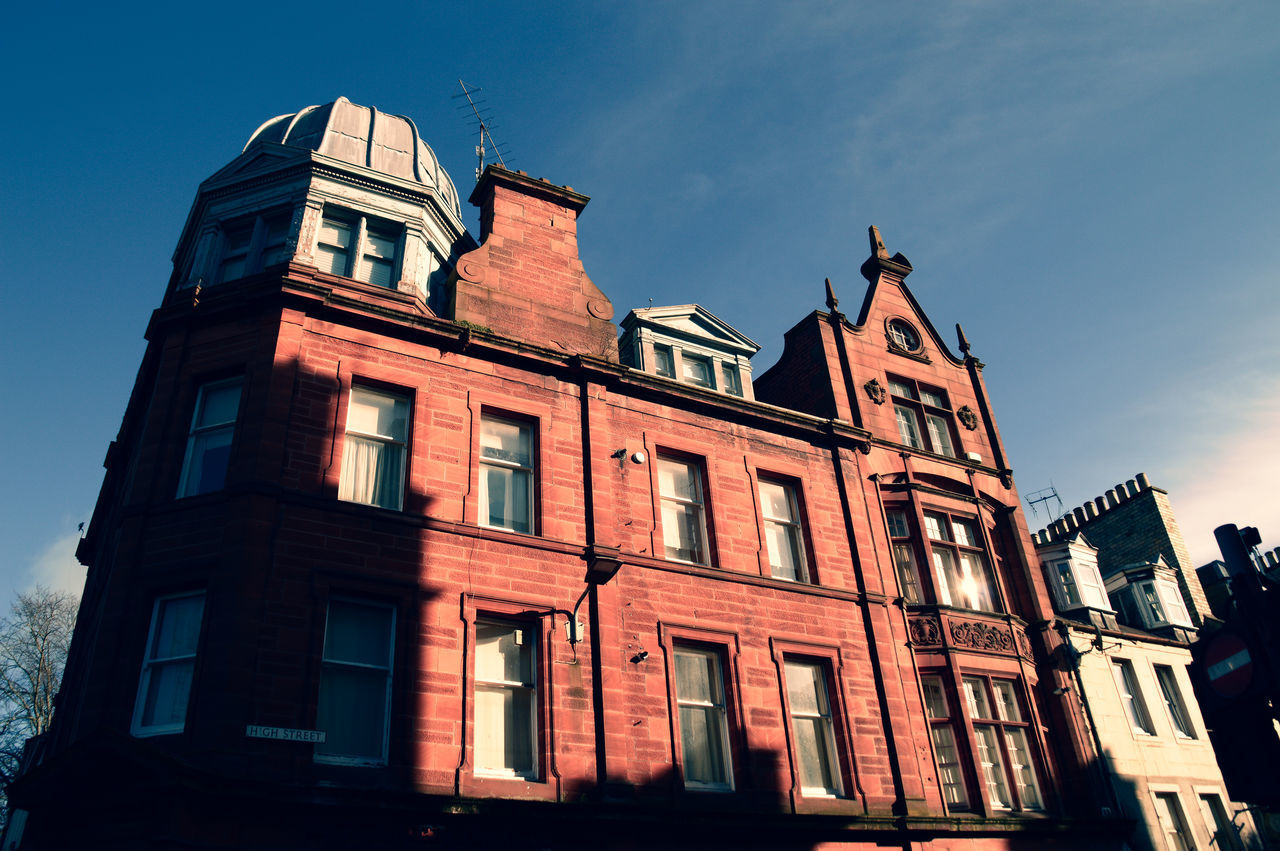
(213, 425)
(506, 474)
(684, 521)
(784, 537)
(168, 666)
(704, 723)
(813, 728)
(506, 699)
(355, 683)
(373, 454)
(359, 247)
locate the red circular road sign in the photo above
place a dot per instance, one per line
(1228, 665)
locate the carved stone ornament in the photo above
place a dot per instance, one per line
(1024, 646)
(925, 631)
(875, 392)
(981, 636)
(967, 417)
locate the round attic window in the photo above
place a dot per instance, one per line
(903, 336)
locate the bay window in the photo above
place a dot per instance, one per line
(1004, 752)
(373, 454)
(999, 735)
(961, 573)
(904, 556)
(942, 732)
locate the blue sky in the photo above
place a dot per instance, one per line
(1089, 188)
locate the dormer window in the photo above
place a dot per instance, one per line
(1150, 600)
(1162, 603)
(664, 361)
(697, 371)
(359, 247)
(1079, 585)
(689, 345)
(730, 381)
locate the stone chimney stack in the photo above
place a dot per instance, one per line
(526, 280)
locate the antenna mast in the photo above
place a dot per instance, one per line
(1042, 497)
(481, 149)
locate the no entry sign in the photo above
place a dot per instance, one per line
(1228, 666)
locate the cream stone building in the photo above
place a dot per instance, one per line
(1127, 624)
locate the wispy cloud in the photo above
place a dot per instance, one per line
(1228, 467)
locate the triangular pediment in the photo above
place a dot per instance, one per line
(692, 323)
(259, 158)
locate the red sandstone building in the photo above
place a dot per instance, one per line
(398, 547)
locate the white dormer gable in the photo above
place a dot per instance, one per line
(691, 345)
(1072, 566)
(1149, 596)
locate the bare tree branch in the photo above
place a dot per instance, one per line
(34, 640)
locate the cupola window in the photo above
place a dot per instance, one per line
(358, 247)
(252, 244)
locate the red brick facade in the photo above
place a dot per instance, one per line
(275, 545)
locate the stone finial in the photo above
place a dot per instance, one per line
(1090, 510)
(832, 301)
(1101, 503)
(1122, 492)
(1112, 499)
(1143, 482)
(1070, 520)
(1271, 559)
(964, 343)
(877, 244)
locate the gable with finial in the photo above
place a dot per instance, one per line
(889, 308)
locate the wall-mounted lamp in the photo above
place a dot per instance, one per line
(1061, 690)
(640, 657)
